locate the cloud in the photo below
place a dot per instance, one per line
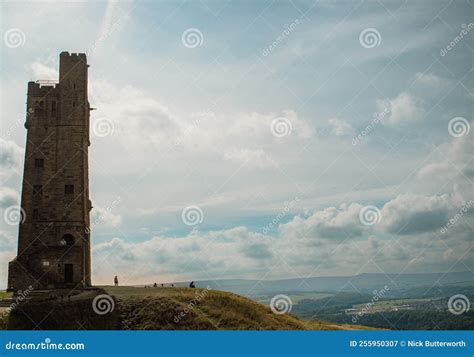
(136, 115)
(142, 119)
(454, 163)
(8, 197)
(7, 241)
(435, 170)
(404, 108)
(251, 158)
(257, 251)
(116, 249)
(340, 127)
(412, 214)
(104, 217)
(197, 254)
(302, 244)
(330, 223)
(406, 214)
(41, 71)
(11, 155)
(429, 79)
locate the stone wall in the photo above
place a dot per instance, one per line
(55, 191)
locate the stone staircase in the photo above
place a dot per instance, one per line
(7, 302)
(42, 295)
(15, 299)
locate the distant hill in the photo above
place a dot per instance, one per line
(364, 283)
(156, 309)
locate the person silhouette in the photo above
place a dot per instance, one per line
(191, 285)
(116, 280)
(154, 285)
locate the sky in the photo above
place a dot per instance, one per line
(258, 139)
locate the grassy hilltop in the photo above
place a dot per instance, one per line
(159, 309)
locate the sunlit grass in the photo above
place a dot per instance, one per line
(5, 294)
(160, 308)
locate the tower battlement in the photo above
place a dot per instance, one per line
(54, 234)
(41, 90)
(72, 54)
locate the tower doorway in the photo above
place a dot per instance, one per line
(68, 273)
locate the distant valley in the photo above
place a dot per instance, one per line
(392, 301)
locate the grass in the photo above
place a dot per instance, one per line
(201, 309)
(138, 308)
(5, 294)
(61, 310)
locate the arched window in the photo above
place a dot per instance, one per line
(68, 239)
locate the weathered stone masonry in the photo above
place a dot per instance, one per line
(54, 236)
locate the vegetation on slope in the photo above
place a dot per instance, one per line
(158, 309)
(421, 312)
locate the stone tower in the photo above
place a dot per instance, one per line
(54, 234)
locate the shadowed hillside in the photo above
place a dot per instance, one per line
(158, 309)
(201, 309)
